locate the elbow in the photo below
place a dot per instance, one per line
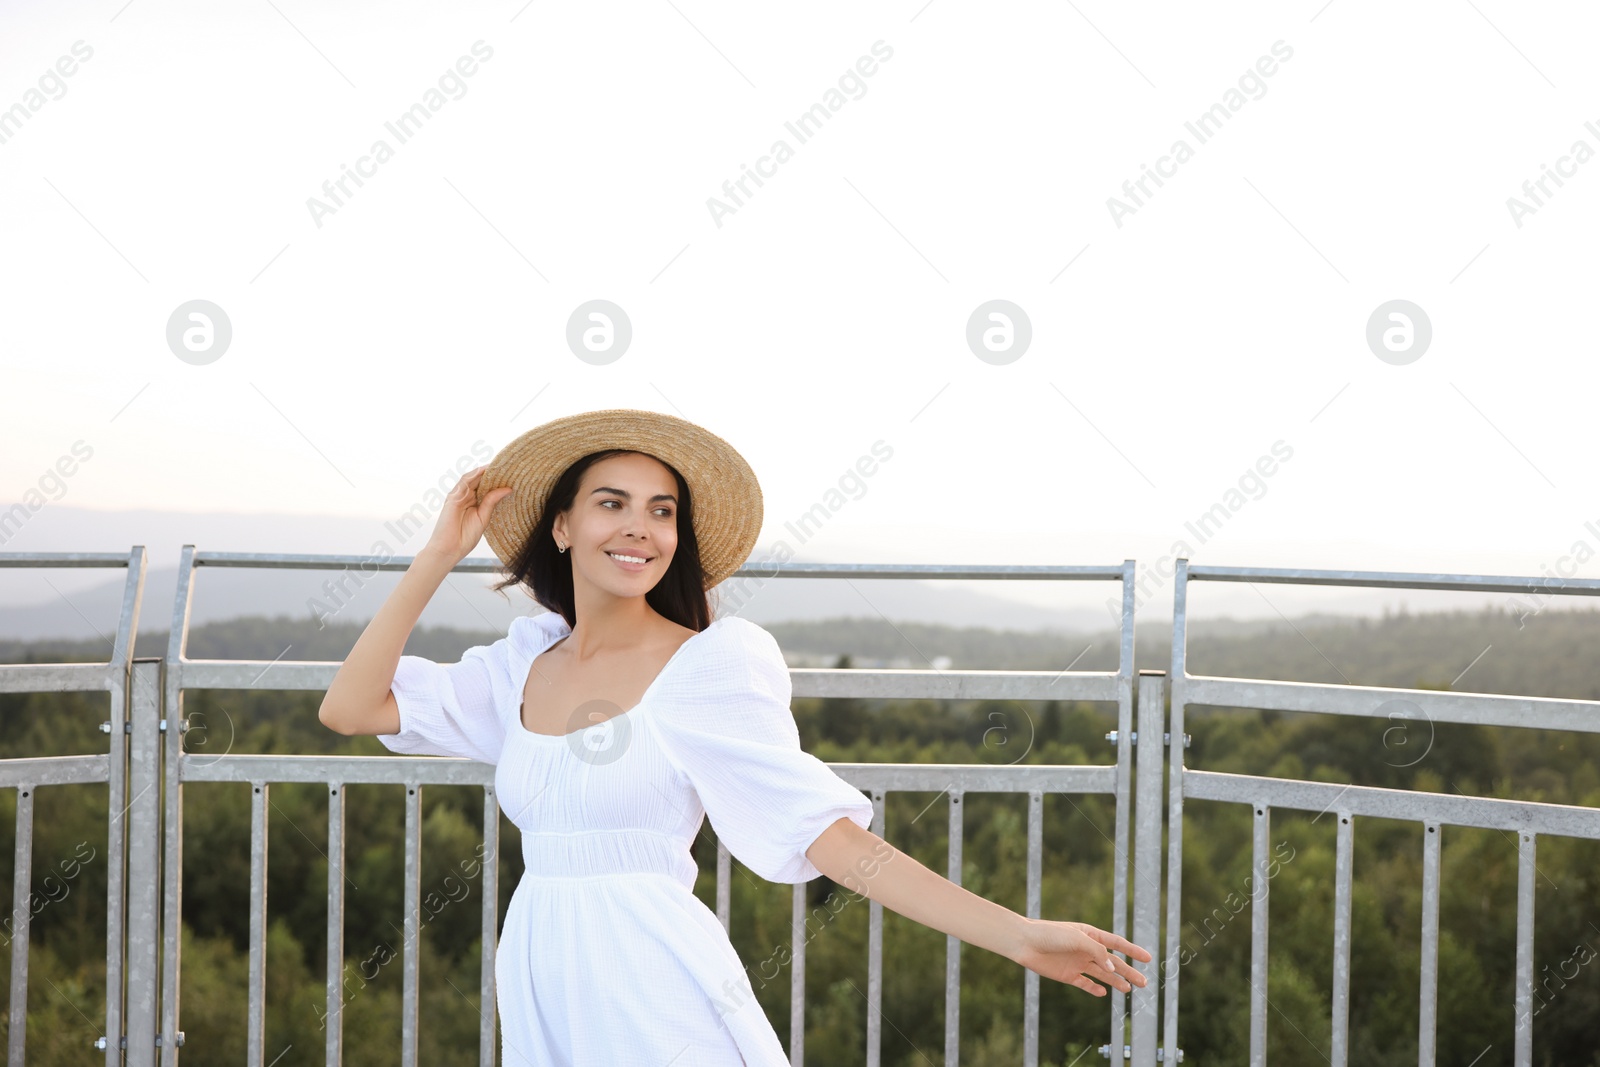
(331, 721)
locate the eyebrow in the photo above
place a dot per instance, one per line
(624, 494)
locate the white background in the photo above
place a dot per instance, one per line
(830, 310)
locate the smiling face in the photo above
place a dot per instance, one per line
(626, 505)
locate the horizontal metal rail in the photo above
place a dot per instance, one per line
(1453, 809)
(832, 682)
(351, 770)
(1479, 709)
(1480, 583)
(54, 770)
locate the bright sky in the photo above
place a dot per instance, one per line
(1209, 328)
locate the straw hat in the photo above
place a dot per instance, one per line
(725, 495)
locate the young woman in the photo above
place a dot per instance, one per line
(617, 721)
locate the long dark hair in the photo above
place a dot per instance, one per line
(680, 595)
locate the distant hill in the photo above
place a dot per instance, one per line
(1551, 654)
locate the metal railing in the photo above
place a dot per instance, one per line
(27, 775)
(336, 772)
(146, 770)
(1434, 810)
(184, 674)
(956, 780)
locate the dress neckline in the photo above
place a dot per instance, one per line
(562, 630)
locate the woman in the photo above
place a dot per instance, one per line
(617, 721)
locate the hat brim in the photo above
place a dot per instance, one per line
(725, 493)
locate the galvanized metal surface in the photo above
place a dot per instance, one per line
(1523, 1051)
(333, 1012)
(1428, 1008)
(1481, 709)
(35, 771)
(874, 954)
(352, 770)
(1491, 813)
(1030, 979)
(413, 919)
(1147, 874)
(151, 816)
(1344, 861)
(1260, 886)
(489, 871)
(255, 1027)
(952, 945)
(21, 913)
(147, 770)
(143, 863)
(1433, 810)
(797, 974)
(26, 775)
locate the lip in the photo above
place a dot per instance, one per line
(632, 568)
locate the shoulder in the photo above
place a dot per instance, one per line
(729, 681)
(727, 660)
(739, 636)
(532, 634)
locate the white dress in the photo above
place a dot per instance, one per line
(606, 956)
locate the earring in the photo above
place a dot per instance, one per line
(563, 548)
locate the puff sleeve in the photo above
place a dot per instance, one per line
(452, 709)
(727, 726)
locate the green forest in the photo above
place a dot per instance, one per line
(1551, 653)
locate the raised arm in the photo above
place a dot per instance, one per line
(359, 700)
(1075, 953)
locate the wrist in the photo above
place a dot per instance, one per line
(433, 562)
(1019, 934)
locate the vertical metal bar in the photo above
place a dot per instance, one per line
(333, 1019)
(116, 850)
(144, 855)
(172, 773)
(117, 801)
(952, 945)
(21, 914)
(1258, 937)
(1178, 680)
(171, 863)
(413, 945)
(1524, 998)
(1343, 865)
(1030, 984)
(491, 920)
(1124, 795)
(875, 954)
(1427, 1026)
(724, 886)
(255, 1033)
(797, 975)
(1147, 870)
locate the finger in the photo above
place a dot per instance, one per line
(1086, 985)
(1118, 943)
(1128, 971)
(1134, 975)
(1107, 973)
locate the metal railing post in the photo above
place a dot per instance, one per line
(1147, 812)
(144, 862)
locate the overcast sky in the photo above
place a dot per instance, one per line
(1339, 324)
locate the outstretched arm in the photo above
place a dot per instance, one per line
(1075, 953)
